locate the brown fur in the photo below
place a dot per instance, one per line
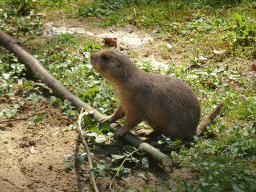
(166, 103)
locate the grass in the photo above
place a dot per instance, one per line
(223, 159)
(234, 20)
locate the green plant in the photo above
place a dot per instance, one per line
(38, 119)
(21, 7)
(100, 9)
(241, 29)
(16, 19)
(6, 84)
(65, 105)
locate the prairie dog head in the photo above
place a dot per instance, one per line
(113, 65)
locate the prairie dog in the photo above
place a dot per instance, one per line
(166, 103)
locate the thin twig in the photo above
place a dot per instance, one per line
(172, 59)
(9, 120)
(82, 114)
(23, 151)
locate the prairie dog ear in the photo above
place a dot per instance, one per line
(120, 64)
(119, 71)
(123, 71)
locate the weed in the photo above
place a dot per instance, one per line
(21, 7)
(15, 18)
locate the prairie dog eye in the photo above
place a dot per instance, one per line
(104, 57)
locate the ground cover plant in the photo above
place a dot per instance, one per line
(230, 23)
(223, 159)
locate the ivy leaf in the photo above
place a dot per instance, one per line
(222, 129)
(236, 188)
(105, 126)
(100, 169)
(10, 112)
(100, 139)
(79, 160)
(69, 155)
(145, 162)
(116, 157)
(125, 177)
(87, 121)
(69, 165)
(94, 129)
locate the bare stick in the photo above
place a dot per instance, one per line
(23, 152)
(79, 129)
(9, 120)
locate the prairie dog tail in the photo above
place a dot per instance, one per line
(202, 126)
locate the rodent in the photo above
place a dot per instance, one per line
(166, 103)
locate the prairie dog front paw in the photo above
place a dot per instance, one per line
(106, 119)
(121, 132)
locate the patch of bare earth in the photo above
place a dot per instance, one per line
(44, 170)
(21, 169)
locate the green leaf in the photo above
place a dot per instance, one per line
(222, 129)
(94, 129)
(87, 121)
(10, 112)
(125, 177)
(69, 165)
(69, 155)
(100, 169)
(79, 160)
(236, 128)
(145, 162)
(116, 157)
(43, 116)
(52, 99)
(9, 89)
(236, 188)
(100, 139)
(94, 163)
(105, 126)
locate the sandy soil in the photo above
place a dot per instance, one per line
(43, 170)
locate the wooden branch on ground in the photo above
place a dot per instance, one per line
(63, 93)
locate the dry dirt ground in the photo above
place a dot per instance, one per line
(44, 170)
